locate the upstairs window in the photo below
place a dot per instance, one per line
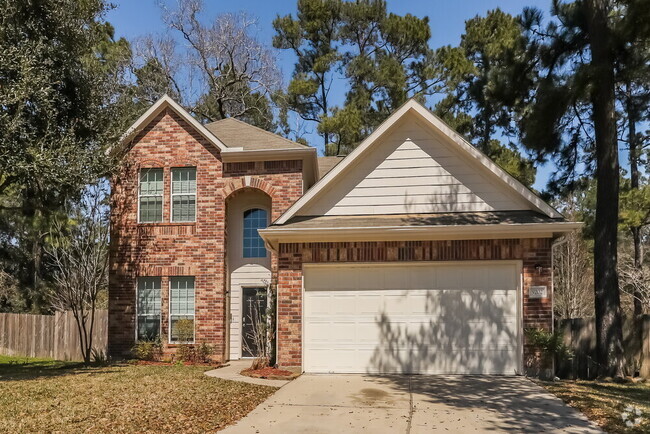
(151, 195)
(148, 308)
(181, 309)
(254, 219)
(184, 194)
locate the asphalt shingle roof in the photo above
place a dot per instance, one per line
(237, 134)
(433, 219)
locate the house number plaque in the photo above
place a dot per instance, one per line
(537, 292)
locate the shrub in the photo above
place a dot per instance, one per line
(185, 353)
(550, 344)
(194, 353)
(148, 350)
(203, 353)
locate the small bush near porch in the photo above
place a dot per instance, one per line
(605, 402)
(39, 395)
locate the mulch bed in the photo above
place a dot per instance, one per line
(169, 363)
(270, 373)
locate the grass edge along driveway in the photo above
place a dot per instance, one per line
(38, 395)
(604, 401)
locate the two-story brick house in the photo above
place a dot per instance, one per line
(415, 253)
(185, 212)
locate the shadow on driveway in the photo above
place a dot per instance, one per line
(412, 404)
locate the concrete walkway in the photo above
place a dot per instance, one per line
(412, 404)
(232, 372)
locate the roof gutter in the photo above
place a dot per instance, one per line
(275, 235)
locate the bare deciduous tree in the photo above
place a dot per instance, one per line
(160, 69)
(79, 255)
(634, 280)
(226, 70)
(573, 281)
(262, 332)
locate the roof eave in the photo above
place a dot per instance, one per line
(274, 235)
(307, 155)
(167, 102)
(437, 123)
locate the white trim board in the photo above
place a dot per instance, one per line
(166, 102)
(414, 108)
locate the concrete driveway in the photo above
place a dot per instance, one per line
(412, 404)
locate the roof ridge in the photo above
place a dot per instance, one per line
(260, 129)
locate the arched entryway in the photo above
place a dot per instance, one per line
(248, 263)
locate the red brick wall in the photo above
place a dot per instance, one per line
(532, 252)
(175, 249)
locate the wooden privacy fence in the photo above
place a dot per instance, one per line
(579, 334)
(48, 336)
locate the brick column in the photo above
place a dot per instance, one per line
(538, 312)
(290, 319)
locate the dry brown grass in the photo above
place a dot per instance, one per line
(48, 396)
(603, 402)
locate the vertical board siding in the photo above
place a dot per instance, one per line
(48, 336)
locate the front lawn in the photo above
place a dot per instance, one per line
(46, 396)
(603, 402)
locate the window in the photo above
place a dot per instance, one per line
(148, 308)
(181, 309)
(184, 194)
(254, 219)
(151, 195)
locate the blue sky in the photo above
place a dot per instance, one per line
(134, 18)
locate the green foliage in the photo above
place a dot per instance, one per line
(61, 78)
(382, 56)
(509, 158)
(549, 343)
(311, 35)
(479, 76)
(148, 350)
(635, 206)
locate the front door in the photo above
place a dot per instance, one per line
(253, 320)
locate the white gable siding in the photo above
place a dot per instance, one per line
(414, 170)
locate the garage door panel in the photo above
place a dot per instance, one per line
(414, 319)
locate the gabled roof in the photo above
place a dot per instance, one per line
(414, 108)
(241, 142)
(237, 134)
(165, 102)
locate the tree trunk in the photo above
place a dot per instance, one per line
(323, 95)
(609, 334)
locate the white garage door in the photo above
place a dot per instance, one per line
(451, 318)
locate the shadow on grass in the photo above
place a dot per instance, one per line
(23, 368)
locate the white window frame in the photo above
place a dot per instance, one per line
(243, 226)
(137, 314)
(169, 313)
(162, 194)
(172, 194)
